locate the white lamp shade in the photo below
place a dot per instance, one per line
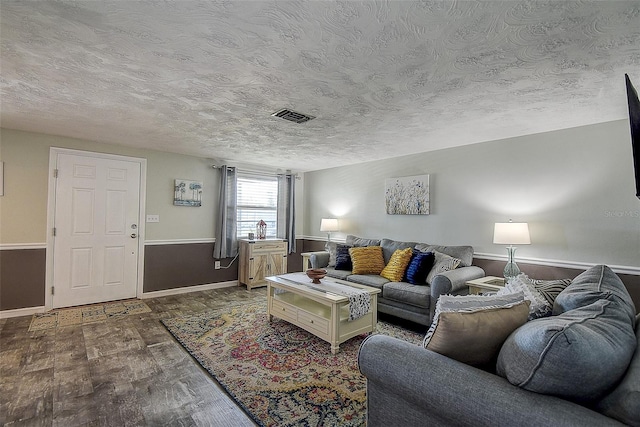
(511, 233)
(329, 224)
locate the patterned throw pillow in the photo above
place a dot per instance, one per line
(550, 289)
(539, 306)
(331, 248)
(419, 267)
(394, 270)
(441, 264)
(367, 260)
(343, 259)
(472, 328)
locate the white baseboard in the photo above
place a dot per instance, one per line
(19, 312)
(187, 289)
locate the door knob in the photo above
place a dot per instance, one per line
(134, 235)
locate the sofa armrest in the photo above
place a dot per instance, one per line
(319, 259)
(410, 385)
(454, 280)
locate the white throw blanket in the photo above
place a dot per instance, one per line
(359, 299)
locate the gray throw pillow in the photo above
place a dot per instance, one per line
(599, 282)
(441, 263)
(331, 248)
(578, 355)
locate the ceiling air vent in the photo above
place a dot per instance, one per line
(292, 116)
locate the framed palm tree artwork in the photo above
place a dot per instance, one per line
(187, 193)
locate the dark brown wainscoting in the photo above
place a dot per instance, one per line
(313, 246)
(536, 271)
(22, 278)
(174, 266)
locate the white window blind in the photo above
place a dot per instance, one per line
(257, 200)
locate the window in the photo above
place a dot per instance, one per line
(257, 200)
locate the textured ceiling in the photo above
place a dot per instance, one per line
(382, 78)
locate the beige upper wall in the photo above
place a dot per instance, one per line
(574, 187)
(23, 208)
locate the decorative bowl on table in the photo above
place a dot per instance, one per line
(315, 274)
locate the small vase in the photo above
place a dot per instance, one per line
(511, 270)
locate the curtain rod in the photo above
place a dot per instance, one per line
(252, 172)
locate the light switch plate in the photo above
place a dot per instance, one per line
(153, 218)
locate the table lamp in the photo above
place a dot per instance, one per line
(511, 233)
(329, 225)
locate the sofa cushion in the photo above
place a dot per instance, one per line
(390, 246)
(338, 274)
(577, 355)
(538, 304)
(367, 260)
(599, 282)
(623, 403)
(463, 253)
(441, 263)
(373, 280)
(352, 240)
(397, 265)
(419, 267)
(419, 296)
(343, 259)
(472, 328)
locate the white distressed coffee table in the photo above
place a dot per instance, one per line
(293, 298)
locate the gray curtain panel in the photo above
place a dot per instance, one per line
(286, 209)
(226, 245)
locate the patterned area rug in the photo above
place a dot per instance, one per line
(86, 314)
(278, 373)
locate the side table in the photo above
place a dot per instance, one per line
(306, 260)
(485, 284)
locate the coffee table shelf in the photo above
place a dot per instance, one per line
(324, 314)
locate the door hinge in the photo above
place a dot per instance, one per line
(54, 231)
(53, 290)
(55, 173)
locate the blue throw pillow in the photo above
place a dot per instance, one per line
(343, 259)
(419, 267)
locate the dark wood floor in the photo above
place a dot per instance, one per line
(126, 372)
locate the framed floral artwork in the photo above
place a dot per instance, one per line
(407, 195)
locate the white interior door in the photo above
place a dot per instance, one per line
(96, 230)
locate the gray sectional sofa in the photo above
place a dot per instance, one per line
(579, 367)
(401, 299)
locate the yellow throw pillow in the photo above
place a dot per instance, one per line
(394, 271)
(367, 259)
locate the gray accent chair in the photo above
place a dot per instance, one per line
(415, 303)
(411, 386)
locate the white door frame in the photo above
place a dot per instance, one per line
(51, 206)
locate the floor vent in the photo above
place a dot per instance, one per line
(292, 116)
